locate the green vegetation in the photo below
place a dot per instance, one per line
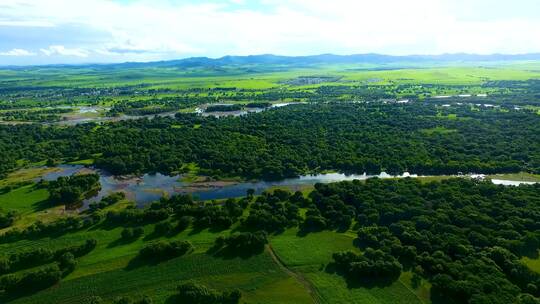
(73, 189)
(346, 137)
(199, 294)
(165, 250)
(435, 239)
(533, 264)
(400, 250)
(223, 108)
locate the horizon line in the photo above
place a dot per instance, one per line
(426, 56)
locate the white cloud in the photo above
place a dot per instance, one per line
(60, 50)
(148, 30)
(17, 52)
(26, 23)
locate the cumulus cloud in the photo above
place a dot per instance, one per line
(17, 52)
(148, 30)
(60, 50)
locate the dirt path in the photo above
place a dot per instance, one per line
(300, 278)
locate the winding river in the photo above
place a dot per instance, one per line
(151, 187)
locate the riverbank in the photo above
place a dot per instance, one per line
(150, 187)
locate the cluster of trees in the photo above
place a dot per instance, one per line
(371, 265)
(31, 281)
(191, 292)
(258, 105)
(130, 234)
(223, 108)
(289, 141)
(63, 262)
(272, 212)
(107, 201)
(331, 211)
(163, 250)
(465, 236)
(169, 228)
(7, 218)
(127, 300)
(41, 115)
(147, 107)
(135, 216)
(240, 244)
(72, 189)
(207, 214)
(39, 228)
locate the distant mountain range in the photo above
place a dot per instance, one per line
(329, 59)
(268, 59)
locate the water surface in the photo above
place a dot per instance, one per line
(151, 187)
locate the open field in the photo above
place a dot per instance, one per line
(258, 277)
(307, 255)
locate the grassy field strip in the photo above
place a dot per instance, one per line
(307, 257)
(299, 277)
(259, 278)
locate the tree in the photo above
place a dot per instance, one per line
(67, 263)
(193, 293)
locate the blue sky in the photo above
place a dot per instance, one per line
(74, 31)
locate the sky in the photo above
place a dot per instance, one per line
(101, 31)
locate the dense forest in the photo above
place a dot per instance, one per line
(466, 237)
(418, 138)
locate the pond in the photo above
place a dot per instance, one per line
(80, 119)
(510, 182)
(244, 111)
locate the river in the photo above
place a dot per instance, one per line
(151, 187)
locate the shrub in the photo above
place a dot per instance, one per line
(162, 250)
(372, 264)
(194, 293)
(241, 243)
(163, 228)
(67, 263)
(7, 218)
(183, 223)
(80, 250)
(72, 189)
(32, 281)
(129, 234)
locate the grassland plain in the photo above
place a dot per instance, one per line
(172, 78)
(108, 271)
(309, 255)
